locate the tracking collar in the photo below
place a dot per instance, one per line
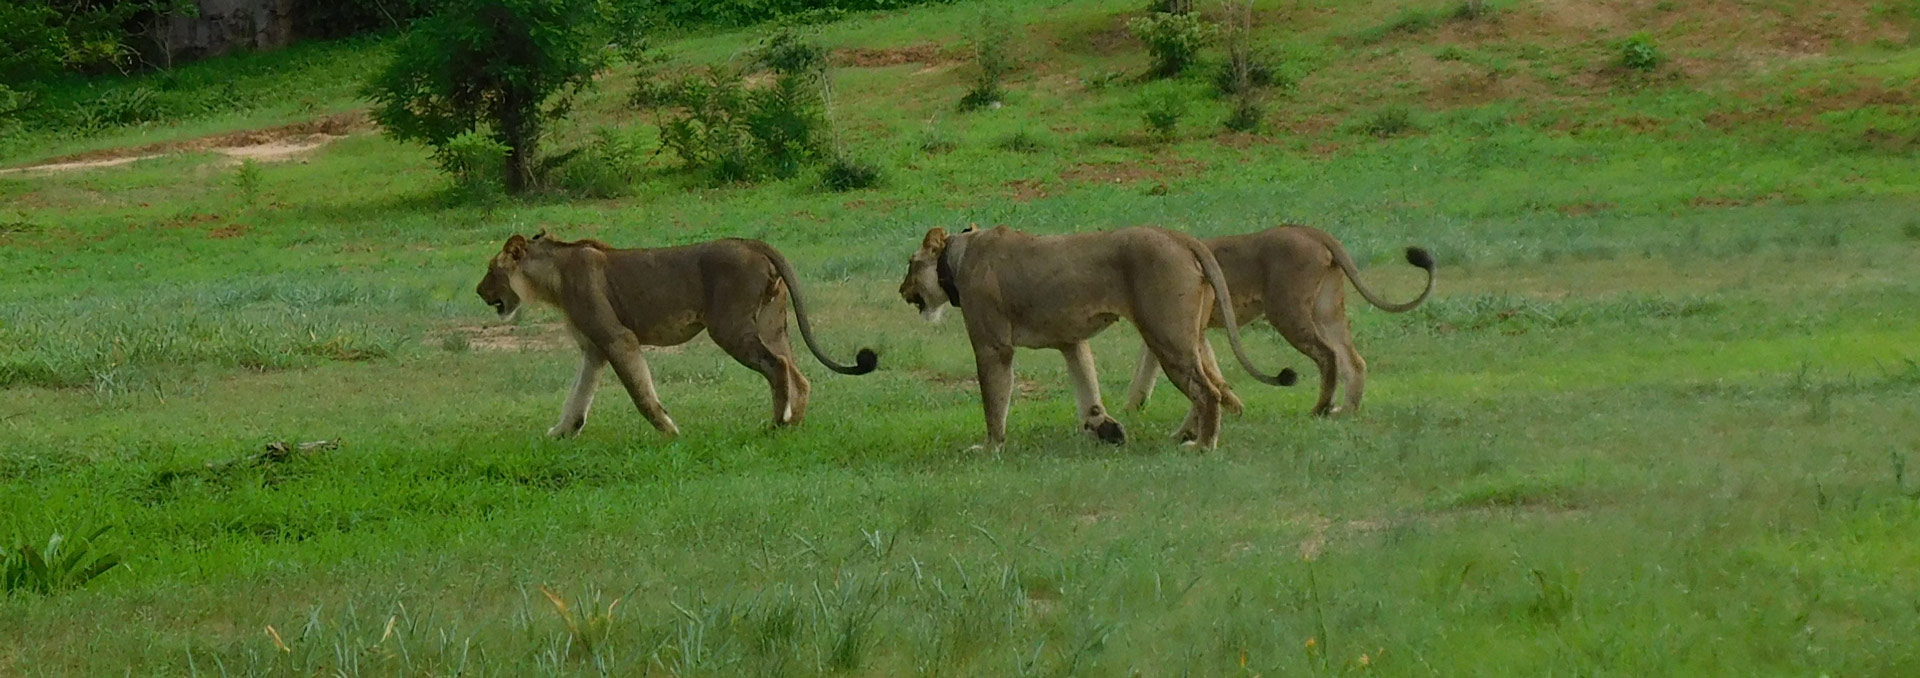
(944, 272)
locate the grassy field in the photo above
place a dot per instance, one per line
(1657, 421)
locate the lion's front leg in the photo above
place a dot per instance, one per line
(573, 415)
(1086, 395)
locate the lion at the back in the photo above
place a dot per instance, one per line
(616, 300)
(1018, 290)
(1295, 277)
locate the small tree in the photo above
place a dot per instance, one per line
(505, 66)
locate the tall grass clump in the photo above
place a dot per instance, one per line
(61, 564)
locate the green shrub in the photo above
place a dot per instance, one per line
(1173, 40)
(1391, 121)
(1247, 115)
(604, 167)
(846, 173)
(476, 160)
(1639, 53)
(508, 66)
(1023, 141)
(992, 61)
(717, 125)
(1162, 112)
(62, 564)
(788, 52)
(247, 180)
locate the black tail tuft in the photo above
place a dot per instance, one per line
(865, 361)
(1288, 377)
(1420, 257)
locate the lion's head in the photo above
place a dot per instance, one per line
(497, 288)
(922, 287)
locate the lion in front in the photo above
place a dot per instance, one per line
(1295, 277)
(617, 300)
(1021, 290)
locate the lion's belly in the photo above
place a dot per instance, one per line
(672, 329)
(1059, 331)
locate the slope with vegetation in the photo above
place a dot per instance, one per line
(1658, 419)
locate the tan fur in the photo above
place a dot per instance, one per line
(1021, 290)
(617, 300)
(1295, 277)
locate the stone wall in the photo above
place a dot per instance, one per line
(223, 26)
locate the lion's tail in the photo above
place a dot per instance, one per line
(863, 362)
(1223, 300)
(1415, 255)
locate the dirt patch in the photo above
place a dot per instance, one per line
(505, 338)
(519, 338)
(1026, 190)
(228, 231)
(864, 57)
(271, 144)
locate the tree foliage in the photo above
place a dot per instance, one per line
(507, 67)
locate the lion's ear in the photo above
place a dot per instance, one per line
(971, 228)
(516, 247)
(936, 238)
(542, 235)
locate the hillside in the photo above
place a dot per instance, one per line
(1656, 420)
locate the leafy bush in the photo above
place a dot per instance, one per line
(992, 61)
(1173, 40)
(718, 126)
(476, 159)
(1162, 112)
(846, 173)
(734, 133)
(1391, 121)
(602, 168)
(631, 38)
(1640, 53)
(504, 65)
(60, 565)
(788, 52)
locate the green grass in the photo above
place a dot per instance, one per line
(1658, 419)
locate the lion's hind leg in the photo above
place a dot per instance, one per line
(740, 338)
(1171, 331)
(773, 333)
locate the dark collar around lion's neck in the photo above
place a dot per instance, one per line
(943, 270)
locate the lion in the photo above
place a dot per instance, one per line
(1293, 275)
(617, 300)
(1022, 290)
